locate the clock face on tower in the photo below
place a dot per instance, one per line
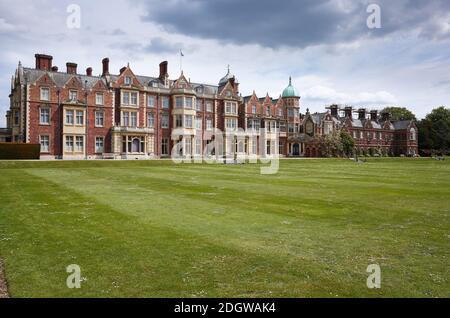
(309, 128)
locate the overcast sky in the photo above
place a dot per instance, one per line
(326, 46)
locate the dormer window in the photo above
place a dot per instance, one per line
(280, 112)
(254, 109)
(127, 80)
(154, 84)
(199, 90)
(45, 93)
(268, 111)
(228, 93)
(73, 95)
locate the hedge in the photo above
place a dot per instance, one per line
(18, 151)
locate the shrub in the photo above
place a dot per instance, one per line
(18, 151)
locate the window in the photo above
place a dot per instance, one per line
(45, 93)
(254, 109)
(99, 99)
(99, 119)
(412, 134)
(16, 117)
(268, 110)
(198, 146)
(79, 117)
(231, 123)
(69, 143)
(280, 112)
(165, 146)
(291, 128)
(134, 99)
(209, 107)
(99, 144)
(228, 93)
(198, 123)
(179, 102)
(126, 119)
(230, 108)
(69, 117)
(280, 147)
(254, 146)
(73, 95)
(133, 119)
(188, 145)
(209, 124)
(125, 98)
(155, 84)
(151, 120)
(128, 80)
(290, 112)
(151, 101)
(198, 105)
(178, 121)
(45, 143)
(188, 121)
(44, 117)
(79, 143)
(165, 121)
(165, 102)
(188, 102)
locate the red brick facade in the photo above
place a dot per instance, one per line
(77, 116)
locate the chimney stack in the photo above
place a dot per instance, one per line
(43, 62)
(334, 110)
(71, 68)
(54, 68)
(362, 113)
(348, 111)
(163, 68)
(105, 63)
(385, 116)
(89, 71)
(374, 115)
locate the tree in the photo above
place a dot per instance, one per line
(434, 131)
(330, 145)
(348, 143)
(399, 113)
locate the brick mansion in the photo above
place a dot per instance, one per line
(129, 116)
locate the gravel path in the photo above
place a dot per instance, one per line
(3, 285)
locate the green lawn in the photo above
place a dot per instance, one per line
(156, 229)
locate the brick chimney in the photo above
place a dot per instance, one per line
(362, 113)
(54, 68)
(71, 68)
(348, 111)
(89, 71)
(385, 116)
(334, 110)
(374, 115)
(105, 63)
(163, 68)
(43, 62)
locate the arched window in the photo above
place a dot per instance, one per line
(412, 134)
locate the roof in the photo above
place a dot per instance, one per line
(401, 124)
(60, 79)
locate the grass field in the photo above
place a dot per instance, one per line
(156, 229)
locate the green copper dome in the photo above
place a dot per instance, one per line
(290, 91)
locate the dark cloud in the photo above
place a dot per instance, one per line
(296, 23)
